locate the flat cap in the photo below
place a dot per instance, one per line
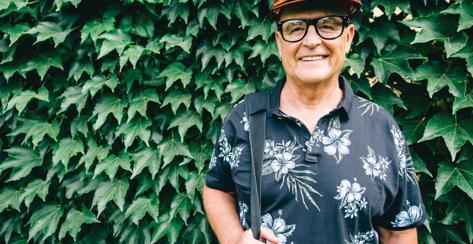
(352, 6)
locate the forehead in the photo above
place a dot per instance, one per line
(310, 11)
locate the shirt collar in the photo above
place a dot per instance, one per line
(343, 107)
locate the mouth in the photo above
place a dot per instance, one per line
(313, 58)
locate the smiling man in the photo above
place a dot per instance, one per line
(336, 167)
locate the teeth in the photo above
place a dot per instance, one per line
(312, 58)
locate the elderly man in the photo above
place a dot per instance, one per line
(336, 167)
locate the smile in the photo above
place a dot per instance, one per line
(313, 58)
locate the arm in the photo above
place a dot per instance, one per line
(224, 220)
(408, 236)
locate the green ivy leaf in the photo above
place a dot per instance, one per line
(43, 62)
(19, 101)
(98, 82)
(175, 98)
(180, 205)
(462, 102)
(183, 121)
(45, 221)
(108, 104)
(73, 95)
(171, 148)
(449, 176)
(467, 54)
(465, 10)
(65, 149)
(176, 71)
(207, 52)
(442, 75)
(460, 209)
(132, 54)
(395, 61)
(380, 30)
(79, 124)
(139, 103)
(38, 188)
(391, 6)
(111, 163)
(95, 28)
(239, 88)
(438, 27)
(265, 29)
(356, 63)
(59, 3)
(74, 220)
(166, 227)
(46, 30)
(79, 68)
(107, 191)
(140, 207)
(136, 128)
(36, 130)
(147, 157)
(264, 50)
(15, 32)
(94, 152)
(173, 40)
(116, 40)
(453, 133)
(21, 161)
(10, 197)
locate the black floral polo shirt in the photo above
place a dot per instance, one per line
(335, 185)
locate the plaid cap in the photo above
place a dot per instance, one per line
(352, 6)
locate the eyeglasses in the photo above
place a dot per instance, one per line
(327, 27)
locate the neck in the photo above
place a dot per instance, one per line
(323, 95)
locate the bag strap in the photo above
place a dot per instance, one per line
(257, 133)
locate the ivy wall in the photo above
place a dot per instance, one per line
(109, 109)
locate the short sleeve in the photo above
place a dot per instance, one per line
(406, 210)
(219, 175)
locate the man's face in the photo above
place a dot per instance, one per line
(313, 60)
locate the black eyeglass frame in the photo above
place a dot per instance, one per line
(309, 22)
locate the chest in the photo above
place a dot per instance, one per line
(352, 170)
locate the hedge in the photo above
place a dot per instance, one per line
(109, 109)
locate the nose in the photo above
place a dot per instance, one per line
(311, 39)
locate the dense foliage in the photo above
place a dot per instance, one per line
(109, 109)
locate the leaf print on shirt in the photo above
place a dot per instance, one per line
(350, 196)
(244, 121)
(213, 160)
(243, 211)
(363, 238)
(337, 142)
(280, 159)
(409, 217)
(406, 166)
(279, 227)
(375, 168)
(368, 107)
(229, 154)
(315, 139)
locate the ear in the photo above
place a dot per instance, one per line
(350, 34)
(279, 41)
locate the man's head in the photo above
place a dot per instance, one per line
(313, 37)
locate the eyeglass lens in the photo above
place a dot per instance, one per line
(329, 27)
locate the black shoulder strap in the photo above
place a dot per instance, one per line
(256, 109)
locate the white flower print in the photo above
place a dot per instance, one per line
(406, 166)
(337, 142)
(243, 211)
(363, 238)
(368, 107)
(279, 227)
(280, 159)
(244, 121)
(229, 155)
(375, 168)
(350, 196)
(409, 217)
